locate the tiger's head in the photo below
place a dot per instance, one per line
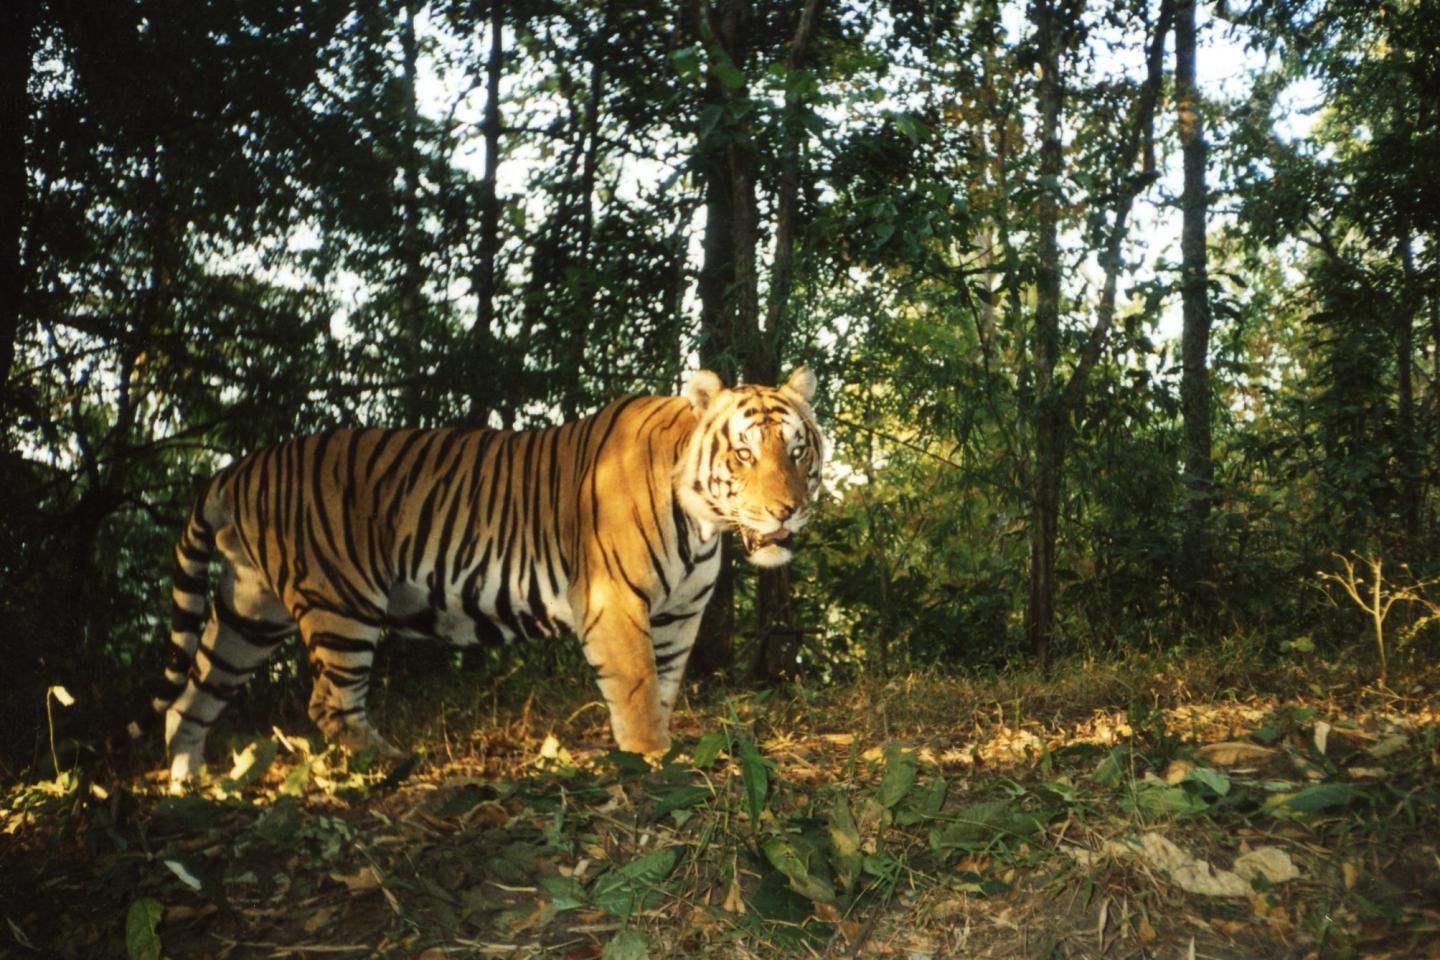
(753, 462)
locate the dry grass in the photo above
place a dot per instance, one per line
(1007, 816)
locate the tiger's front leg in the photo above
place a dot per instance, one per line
(616, 637)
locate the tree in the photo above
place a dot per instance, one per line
(17, 39)
(1195, 299)
(736, 336)
(1056, 404)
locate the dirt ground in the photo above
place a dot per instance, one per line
(1175, 811)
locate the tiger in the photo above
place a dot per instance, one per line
(608, 528)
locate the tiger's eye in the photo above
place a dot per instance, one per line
(744, 456)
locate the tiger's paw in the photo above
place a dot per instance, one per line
(184, 769)
(652, 748)
(357, 738)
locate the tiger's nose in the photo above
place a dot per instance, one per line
(782, 511)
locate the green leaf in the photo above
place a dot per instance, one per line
(710, 119)
(250, 765)
(727, 73)
(900, 767)
(774, 899)
(708, 750)
(687, 61)
(756, 776)
(279, 826)
(633, 887)
(1213, 780)
(296, 781)
(845, 855)
(982, 825)
(629, 765)
(801, 863)
(463, 800)
(1313, 799)
(399, 772)
(679, 799)
(629, 944)
(142, 940)
(1160, 800)
(188, 814)
(1112, 769)
(566, 892)
(909, 125)
(922, 804)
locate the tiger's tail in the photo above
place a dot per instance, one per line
(190, 586)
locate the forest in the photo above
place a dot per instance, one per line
(1114, 633)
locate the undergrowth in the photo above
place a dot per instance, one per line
(1195, 805)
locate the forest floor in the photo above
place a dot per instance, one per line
(1196, 807)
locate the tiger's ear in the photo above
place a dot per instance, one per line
(801, 383)
(701, 389)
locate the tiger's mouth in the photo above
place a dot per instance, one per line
(754, 541)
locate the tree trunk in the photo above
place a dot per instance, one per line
(17, 40)
(410, 307)
(483, 337)
(724, 234)
(1055, 405)
(1196, 559)
(734, 337)
(1409, 440)
(1049, 435)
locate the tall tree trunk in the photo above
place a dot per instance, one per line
(1054, 404)
(582, 262)
(734, 337)
(410, 307)
(1049, 433)
(1410, 441)
(483, 336)
(779, 636)
(715, 647)
(17, 43)
(782, 270)
(1196, 559)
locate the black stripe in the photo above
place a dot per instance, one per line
(665, 619)
(341, 644)
(183, 621)
(197, 586)
(258, 632)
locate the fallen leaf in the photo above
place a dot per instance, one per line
(366, 878)
(734, 902)
(1234, 753)
(1321, 736)
(629, 944)
(1177, 771)
(319, 918)
(486, 815)
(1368, 773)
(1202, 878)
(1390, 745)
(1270, 862)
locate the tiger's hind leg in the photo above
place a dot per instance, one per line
(342, 651)
(247, 622)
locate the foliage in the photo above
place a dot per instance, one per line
(1247, 823)
(241, 224)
